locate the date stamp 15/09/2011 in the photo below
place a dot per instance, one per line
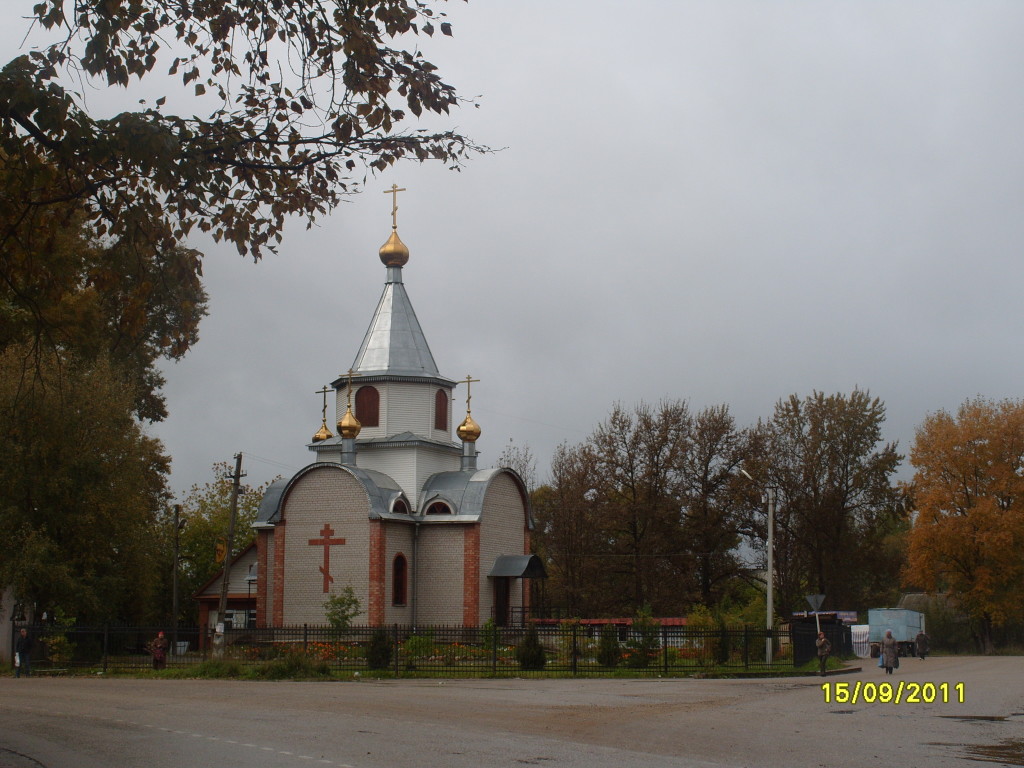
(904, 692)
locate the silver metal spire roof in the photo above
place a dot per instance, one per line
(394, 344)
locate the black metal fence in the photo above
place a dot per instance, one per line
(569, 647)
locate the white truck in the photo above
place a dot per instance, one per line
(904, 624)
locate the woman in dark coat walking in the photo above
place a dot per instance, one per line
(921, 644)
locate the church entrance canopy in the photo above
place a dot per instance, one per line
(518, 567)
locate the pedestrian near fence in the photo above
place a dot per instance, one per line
(23, 654)
(824, 649)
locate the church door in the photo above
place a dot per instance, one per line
(502, 593)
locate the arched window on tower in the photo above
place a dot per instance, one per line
(439, 508)
(441, 410)
(399, 580)
(368, 406)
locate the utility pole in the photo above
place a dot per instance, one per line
(770, 617)
(236, 479)
(770, 498)
(177, 530)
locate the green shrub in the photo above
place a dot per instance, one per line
(530, 653)
(703, 639)
(342, 608)
(644, 641)
(491, 635)
(378, 651)
(573, 642)
(418, 646)
(609, 654)
(722, 651)
(293, 667)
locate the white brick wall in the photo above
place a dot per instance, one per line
(502, 533)
(440, 574)
(399, 540)
(331, 496)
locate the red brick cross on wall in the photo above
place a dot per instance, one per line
(326, 541)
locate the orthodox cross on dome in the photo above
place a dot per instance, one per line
(469, 381)
(324, 392)
(395, 189)
(323, 412)
(326, 542)
(323, 433)
(350, 375)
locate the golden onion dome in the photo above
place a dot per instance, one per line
(322, 434)
(468, 430)
(394, 253)
(349, 425)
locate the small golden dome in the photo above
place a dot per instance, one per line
(322, 434)
(349, 425)
(468, 430)
(394, 253)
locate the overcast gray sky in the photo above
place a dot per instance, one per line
(724, 202)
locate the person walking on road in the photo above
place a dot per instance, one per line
(921, 644)
(824, 649)
(23, 654)
(890, 652)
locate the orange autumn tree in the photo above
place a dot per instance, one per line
(969, 490)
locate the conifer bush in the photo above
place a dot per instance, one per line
(609, 654)
(378, 652)
(530, 653)
(644, 642)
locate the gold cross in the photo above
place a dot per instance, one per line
(351, 373)
(324, 392)
(395, 189)
(469, 381)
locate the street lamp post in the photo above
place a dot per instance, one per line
(768, 496)
(770, 613)
(178, 525)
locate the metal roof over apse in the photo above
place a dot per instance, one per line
(381, 491)
(394, 343)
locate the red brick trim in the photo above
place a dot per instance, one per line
(471, 576)
(262, 544)
(278, 612)
(377, 565)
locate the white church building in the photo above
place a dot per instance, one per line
(393, 506)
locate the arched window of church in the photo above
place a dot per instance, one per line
(399, 580)
(441, 410)
(400, 507)
(439, 508)
(368, 406)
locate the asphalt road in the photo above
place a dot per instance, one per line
(83, 722)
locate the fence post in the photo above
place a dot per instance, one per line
(494, 648)
(574, 651)
(664, 649)
(395, 640)
(105, 646)
(305, 638)
(746, 646)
